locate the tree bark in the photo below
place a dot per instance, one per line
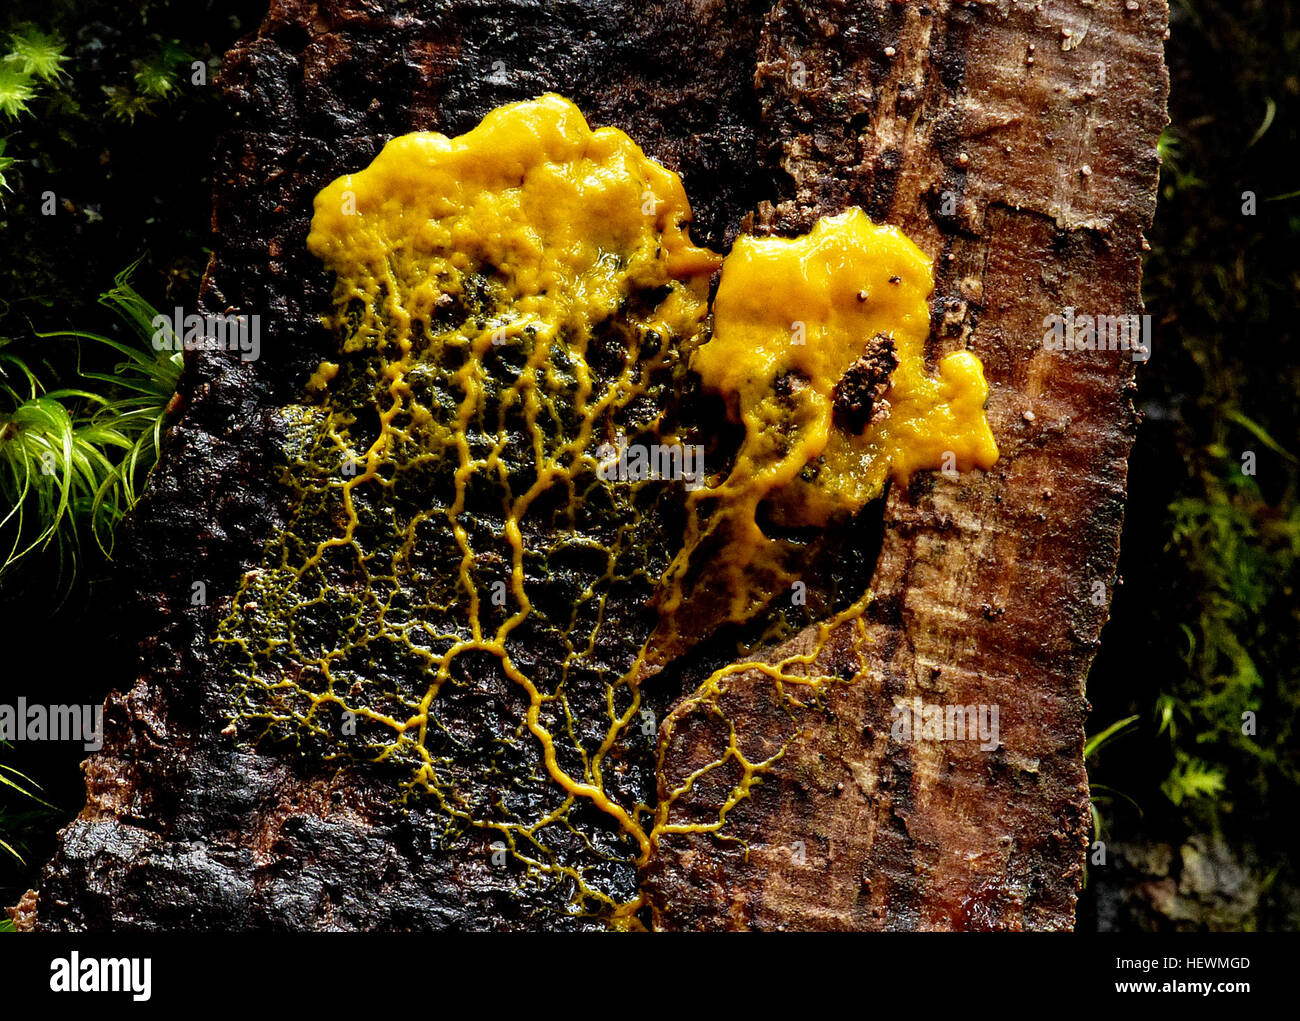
(1014, 142)
(1036, 124)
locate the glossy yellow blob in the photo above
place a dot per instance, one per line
(569, 218)
(789, 318)
(809, 306)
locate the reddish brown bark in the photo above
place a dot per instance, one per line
(1016, 144)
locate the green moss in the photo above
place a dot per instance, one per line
(36, 53)
(73, 459)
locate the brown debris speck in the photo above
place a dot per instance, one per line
(858, 397)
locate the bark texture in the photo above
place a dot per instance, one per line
(1014, 142)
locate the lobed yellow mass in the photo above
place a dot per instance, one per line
(804, 308)
(568, 218)
(793, 320)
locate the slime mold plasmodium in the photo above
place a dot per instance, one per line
(793, 319)
(461, 597)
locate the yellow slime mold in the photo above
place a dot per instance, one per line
(793, 319)
(805, 306)
(460, 590)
